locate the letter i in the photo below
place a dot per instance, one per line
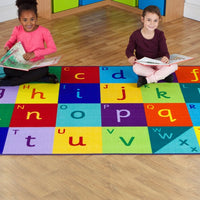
(78, 94)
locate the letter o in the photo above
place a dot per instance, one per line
(77, 114)
(63, 107)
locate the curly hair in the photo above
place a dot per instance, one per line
(26, 5)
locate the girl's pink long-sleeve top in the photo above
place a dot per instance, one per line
(33, 41)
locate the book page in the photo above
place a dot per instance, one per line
(174, 58)
(149, 61)
(45, 62)
(14, 59)
(15, 54)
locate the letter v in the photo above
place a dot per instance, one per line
(124, 141)
(110, 131)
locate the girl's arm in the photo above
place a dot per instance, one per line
(165, 59)
(163, 46)
(6, 49)
(132, 60)
(130, 47)
(12, 40)
(50, 45)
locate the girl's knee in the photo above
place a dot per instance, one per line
(136, 68)
(174, 66)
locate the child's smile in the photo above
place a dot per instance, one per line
(150, 21)
(28, 20)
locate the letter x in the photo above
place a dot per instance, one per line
(184, 142)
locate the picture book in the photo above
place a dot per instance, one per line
(174, 58)
(14, 59)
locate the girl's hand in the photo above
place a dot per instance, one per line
(165, 59)
(132, 60)
(6, 49)
(29, 56)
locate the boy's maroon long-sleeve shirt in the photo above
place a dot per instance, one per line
(152, 48)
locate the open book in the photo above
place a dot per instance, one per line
(174, 58)
(14, 59)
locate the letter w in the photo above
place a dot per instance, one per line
(165, 135)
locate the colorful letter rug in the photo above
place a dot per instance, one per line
(100, 110)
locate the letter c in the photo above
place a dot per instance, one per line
(78, 76)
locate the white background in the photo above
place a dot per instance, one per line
(8, 10)
(192, 9)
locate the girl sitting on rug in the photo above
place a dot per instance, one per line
(150, 42)
(33, 38)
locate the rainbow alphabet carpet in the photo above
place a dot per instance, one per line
(100, 110)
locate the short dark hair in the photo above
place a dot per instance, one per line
(151, 9)
(26, 5)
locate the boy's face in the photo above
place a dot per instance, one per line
(150, 21)
(28, 20)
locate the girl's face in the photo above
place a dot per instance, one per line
(28, 20)
(150, 21)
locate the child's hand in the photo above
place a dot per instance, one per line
(28, 56)
(6, 49)
(132, 60)
(165, 59)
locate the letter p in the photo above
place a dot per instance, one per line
(122, 114)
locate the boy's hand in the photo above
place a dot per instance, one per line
(29, 56)
(165, 59)
(132, 60)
